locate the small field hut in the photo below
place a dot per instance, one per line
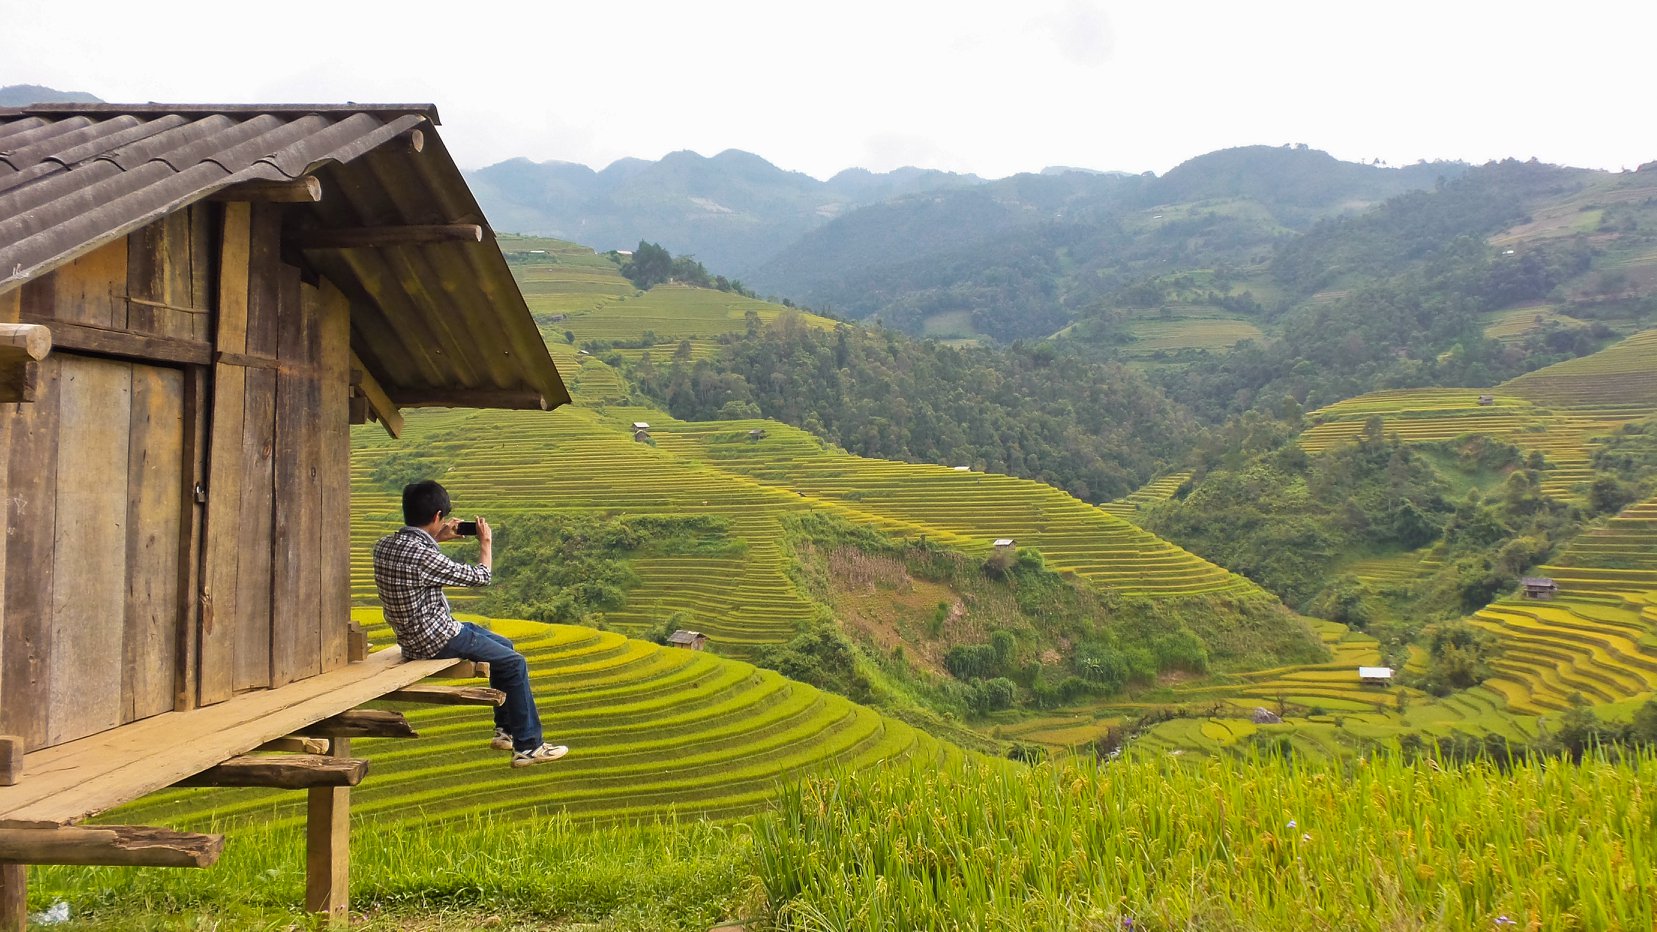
(690, 640)
(1539, 587)
(196, 302)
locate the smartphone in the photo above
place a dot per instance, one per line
(467, 529)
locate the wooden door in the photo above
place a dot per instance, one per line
(95, 515)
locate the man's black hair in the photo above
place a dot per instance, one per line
(423, 499)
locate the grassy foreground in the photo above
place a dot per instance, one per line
(1142, 843)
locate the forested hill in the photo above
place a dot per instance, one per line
(733, 211)
(1024, 256)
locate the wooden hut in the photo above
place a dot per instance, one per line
(690, 640)
(1539, 587)
(1487, 400)
(196, 302)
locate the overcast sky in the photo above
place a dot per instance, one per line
(991, 88)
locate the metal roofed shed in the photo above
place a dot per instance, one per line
(1375, 675)
(1002, 542)
(196, 303)
(641, 425)
(1539, 587)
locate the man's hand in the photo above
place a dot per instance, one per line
(450, 530)
(486, 544)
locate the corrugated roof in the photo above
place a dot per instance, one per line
(433, 322)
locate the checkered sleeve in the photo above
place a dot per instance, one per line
(442, 571)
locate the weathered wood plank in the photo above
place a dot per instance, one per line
(89, 552)
(282, 772)
(448, 695)
(31, 521)
(218, 608)
(192, 477)
(361, 723)
(296, 645)
(155, 459)
(333, 554)
(73, 781)
(328, 847)
(89, 290)
(254, 573)
(378, 401)
(205, 225)
(11, 759)
(110, 845)
(19, 342)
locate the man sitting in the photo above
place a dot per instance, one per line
(410, 572)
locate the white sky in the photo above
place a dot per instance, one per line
(993, 88)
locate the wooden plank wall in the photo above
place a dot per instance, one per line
(91, 596)
(108, 563)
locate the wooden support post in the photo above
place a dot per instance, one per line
(11, 760)
(109, 846)
(14, 898)
(356, 645)
(448, 695)
(328, 847)
(293, 744)
(282, 772)
(361, 723)
(378, 401)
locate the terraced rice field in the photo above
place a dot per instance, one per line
(1514, 324)
(652, 731)
(674, 313)
(1151, 493)
(1562, 411)
(966, 510)
(1215, 333)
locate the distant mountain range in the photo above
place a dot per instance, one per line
(21, 95)
(732, 211)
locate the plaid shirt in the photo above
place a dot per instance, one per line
(410, 572)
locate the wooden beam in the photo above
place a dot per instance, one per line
(471, 398)
(11, 760)
(20, 342)
(448, 695)
(126, 345)
(109, 846)
(293, 744)
(465, 670)
(306, 189)
(282, 771)
(356, 645)
(328, 848)
(361, 723)
(378, 401)
(379, 237)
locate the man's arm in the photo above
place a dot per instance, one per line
(447, 572)
(486, 545)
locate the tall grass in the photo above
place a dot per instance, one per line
(1263, 844)
(490, 871)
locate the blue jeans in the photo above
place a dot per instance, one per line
(509, 673)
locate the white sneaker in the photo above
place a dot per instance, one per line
(545, 754)
(502, 740)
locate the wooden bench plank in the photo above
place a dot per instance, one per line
(74, 781)
(282, 771)
(110, 846)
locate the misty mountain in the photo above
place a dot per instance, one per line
(733, 211)
(22, 95)
(1019, 257)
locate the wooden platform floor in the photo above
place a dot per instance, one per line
(65, 784)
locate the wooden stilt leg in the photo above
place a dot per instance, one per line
(328, 846)
(14, 898)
